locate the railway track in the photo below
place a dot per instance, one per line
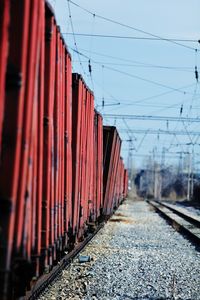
(180, 218)
(45, 280)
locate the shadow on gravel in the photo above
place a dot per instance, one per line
(126, 297)
(123, 220)
(120, 215)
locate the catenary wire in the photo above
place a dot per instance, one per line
(138, 63)
(136, 77)
(75, 43)
(128, 37)
(131, 27)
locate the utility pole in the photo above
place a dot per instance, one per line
(192, 174)
(180, 165)
(156, 176)
(154, 173)
(189, 174)
(163, 158)
(190, 188)
(130, 160)
(157, 181)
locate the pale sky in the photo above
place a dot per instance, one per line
(168, 66)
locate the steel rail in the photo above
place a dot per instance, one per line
(181, 219)
(46, 279)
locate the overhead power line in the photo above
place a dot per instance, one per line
(125, 59)
(146, 80)
(129, 37)
(143, 65)
(162, 106)
(131, 27)
(171, 156)
(152, 118)
(74, 38)
(135, 76)
(142, 100)
(160, 131)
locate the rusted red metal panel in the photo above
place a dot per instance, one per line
(12, 130)
(88, 160)
(58, 168)
(68, 143)
(29, 170)
(111, 202)
(29, 203)
(77, 95)
(93, 207)
(118, 195)
(39, 151)
(57, 127)
(109, 140)
(83, 147)
(121, 182)
(99, 163)
(32, 66)
(62, 147)
(125, 190)
(33, 204)
(111, 156)
(64, 241)
(97, 168)
(64, 238)
(90, 154)
(4, 44)
(116, 186)
(48, 205)
(82, 158)
(91, 160)
(120, 173)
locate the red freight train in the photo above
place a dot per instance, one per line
(60, 170)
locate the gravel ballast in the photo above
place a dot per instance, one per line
(137, 255)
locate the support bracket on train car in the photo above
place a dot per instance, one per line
(92, 227)
(35, 263)
(71, 239)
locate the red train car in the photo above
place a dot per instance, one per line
(98, 163)
(17, 146)
(111, 160)
(87, 153)
(125, 190)
(119, 184)
(80, 98)
(59, 170)
(35, 166)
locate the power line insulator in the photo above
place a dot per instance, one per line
(89, 67)
(196, 74)
(181, 110)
